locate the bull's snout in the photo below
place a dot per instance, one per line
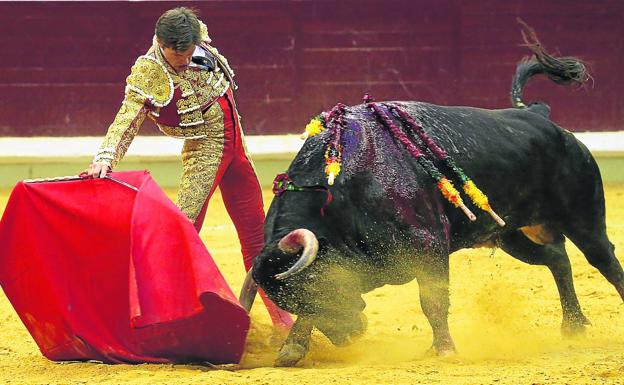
(293, 242)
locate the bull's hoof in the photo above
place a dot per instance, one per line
(290, 354)
(433, 352)
(574, 327)
(445, 349)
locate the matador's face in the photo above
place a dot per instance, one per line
(179, 60)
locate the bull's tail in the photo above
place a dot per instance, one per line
(561, 70)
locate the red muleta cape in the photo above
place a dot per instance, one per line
(97, 270)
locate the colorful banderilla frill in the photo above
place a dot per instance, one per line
(476, 195)
(334, 121)
(444, 184)
(315, 127)
(333, 154)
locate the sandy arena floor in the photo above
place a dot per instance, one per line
(505, 318)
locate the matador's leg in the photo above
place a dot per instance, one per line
(202, 168)
(205, 161)
(242, 196)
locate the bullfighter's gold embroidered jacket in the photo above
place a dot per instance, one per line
(181, 103)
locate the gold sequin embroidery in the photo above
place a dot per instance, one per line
(200, 161)
(198, 131)
(186, 88)
(123, 129)
(150, 79)
(191, 118)
(187, 105)
(206, 85)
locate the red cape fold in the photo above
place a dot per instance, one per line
(97, 270)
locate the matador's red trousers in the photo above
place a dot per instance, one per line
(239, 187)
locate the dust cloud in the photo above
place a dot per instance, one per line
(505, 318)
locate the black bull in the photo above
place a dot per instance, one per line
(388, 224)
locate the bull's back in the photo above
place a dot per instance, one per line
(515, 156)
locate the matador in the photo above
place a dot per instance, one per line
(187, 90)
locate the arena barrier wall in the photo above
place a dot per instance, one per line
(43, 157)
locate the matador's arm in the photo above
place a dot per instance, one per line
(123, 129)
(148, 88)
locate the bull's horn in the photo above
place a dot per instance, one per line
(292, 243)
(248, 291)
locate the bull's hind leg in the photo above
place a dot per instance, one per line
(433, 283)
(554, 257)
(592, 240)
(586, 226)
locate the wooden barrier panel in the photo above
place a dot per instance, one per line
(63, 64)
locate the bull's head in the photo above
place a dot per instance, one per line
(295, 272)
(314, 262)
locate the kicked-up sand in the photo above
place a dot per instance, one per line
(505, 317)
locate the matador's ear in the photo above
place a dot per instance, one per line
(203, 30)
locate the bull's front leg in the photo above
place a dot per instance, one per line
(297, 343)
(433, 282)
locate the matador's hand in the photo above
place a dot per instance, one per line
(97, 170)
